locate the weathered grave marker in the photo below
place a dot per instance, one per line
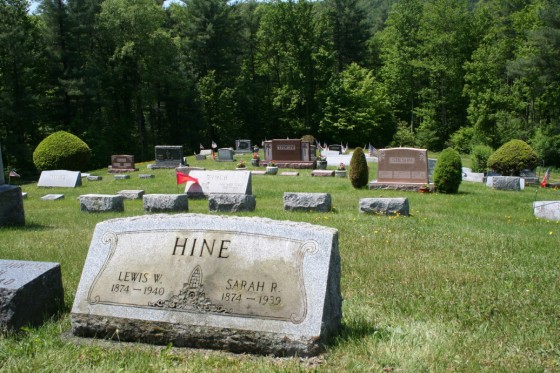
(218, 182)
(29, 291)
(320, 202)
(225, 155)
(241, 284)
(243, 146)
(101, 203)
(60, 179)
(549, 210)
(52, 197)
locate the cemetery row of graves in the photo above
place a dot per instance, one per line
(226, 264)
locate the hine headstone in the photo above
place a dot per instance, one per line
(218, 182)
(241, 284)
(60, 178)
(11, 201)
(29, 291)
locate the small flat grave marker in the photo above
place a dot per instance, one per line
(52, 197)
(218, 182)
(122, 177)
(60, 178)
(29, 291)
(131, 194)
(146, 176)
(323, 173)
(242, 284)
(94, 178)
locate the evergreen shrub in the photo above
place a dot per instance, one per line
(512, 157)
(448, 172)
(359, 171)
(309, 138)
(479, 157)
(61, 151)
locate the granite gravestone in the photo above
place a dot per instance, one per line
(243, 146)
(401, 168)
(218, 182)
(292, 153)
(122, 163)
(241, 284)
(29, 291)
(60, 179)
(11, 201)
(549, 210)
(225, 155)
(168, 156)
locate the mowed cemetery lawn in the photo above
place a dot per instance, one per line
(467, 283)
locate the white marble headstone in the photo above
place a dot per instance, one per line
(219, 182)
(60, 178)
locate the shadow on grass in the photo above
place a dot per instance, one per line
(27, 227)
(358, 330)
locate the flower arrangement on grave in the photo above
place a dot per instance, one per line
(341, 167)
(271, 164)
(256, 155)
(241, 164)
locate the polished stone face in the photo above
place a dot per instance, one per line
(60, 178)
(219, 182)
(403, 165)
(188, 275)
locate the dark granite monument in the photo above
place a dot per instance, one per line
(11, 201)
(290, 153)
(29, 291)
(168, 156)
(243, 146)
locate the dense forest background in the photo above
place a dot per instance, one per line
(125, 75)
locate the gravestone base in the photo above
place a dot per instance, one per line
(292, 164)
(131, 194)
(165, 202)
(323, 173)
(29, 291)
(11, 206)
(112, 170)
(231, 202)
(397, 186)
(320, 202)
(384, 206)
(101, 203)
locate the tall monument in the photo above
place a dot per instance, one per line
(11, 201)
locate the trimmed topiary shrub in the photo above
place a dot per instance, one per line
(61, 151)
(309, 138)
(359, 171)
(448, 172)
(512, 157)
(479, 157)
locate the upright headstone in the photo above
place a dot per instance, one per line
(241, 284)
(336, 148)
(122, 163)
(549, 210)
(11, 201)
(292, 153)
(243, 146)
(29, 291)
(401, 168)
(225, 155)
(168, 156)
(60, 179)
(218, 182)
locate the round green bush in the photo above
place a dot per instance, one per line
(448, 171)
(359, 172)
(513, 157)
(479, 157)
(61, 151)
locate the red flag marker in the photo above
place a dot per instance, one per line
(183, 178)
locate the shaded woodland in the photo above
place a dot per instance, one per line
(125, 75)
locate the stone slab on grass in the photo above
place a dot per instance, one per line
(166, 202)
(384, 206)
(243, 284)
(121, 176)
(94, 178)
(146, 176)
(258, 172)
(289, 173)
(549, 210)
(29, 292)
(231, 202)
(101, 203)
(323, 173)
(52, 197)
(131, 194)
(320, 202)
(506, 182)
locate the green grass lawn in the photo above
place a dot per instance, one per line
(467, 283)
